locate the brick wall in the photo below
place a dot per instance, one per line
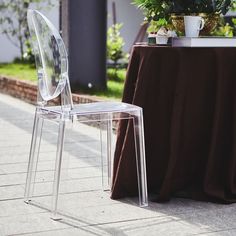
(27, 91)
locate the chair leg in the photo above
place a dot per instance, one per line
(33, 157)
(103, 163)
(140, 159)
(106, 172)
(109, 149)
(57, 173)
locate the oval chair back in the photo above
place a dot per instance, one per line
(51, 60)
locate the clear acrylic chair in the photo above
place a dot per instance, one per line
(52, 71)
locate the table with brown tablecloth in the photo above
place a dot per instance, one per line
(188, 96)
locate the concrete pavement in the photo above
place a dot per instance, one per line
(90, 210)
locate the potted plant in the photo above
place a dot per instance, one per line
(174, 10)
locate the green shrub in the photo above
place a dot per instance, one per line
(115, 45)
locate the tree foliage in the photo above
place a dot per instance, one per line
(13, 22)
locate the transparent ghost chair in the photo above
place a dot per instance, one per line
(52, 71)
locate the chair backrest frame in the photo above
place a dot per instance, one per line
(51, 61)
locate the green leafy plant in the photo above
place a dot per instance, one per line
(154, 26)
(115, 45)
(233, 20)
(224, 30)
(156, 9)
(160, 13)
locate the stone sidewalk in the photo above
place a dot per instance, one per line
(86, 209)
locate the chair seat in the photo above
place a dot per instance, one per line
(95, 108)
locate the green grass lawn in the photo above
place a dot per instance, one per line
(18, 71)
(28, 73)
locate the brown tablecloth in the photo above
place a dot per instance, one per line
(188, 97)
